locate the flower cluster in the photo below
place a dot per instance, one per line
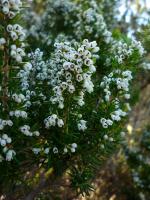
(26, 131)
(92, 23)
(123, 51)
(122, 83)
(17, 35)
(69, 148)
(106, 122)
(4, 123)
(53, 120)
(17, 53)
(117, 114)
(85, 19)
(18, 113)
(120, 79)
(75, 66)
(13, 107)
(41, 30)
(37, 69)
(16, 32)
(10, 7)
(9, 154)
(82, 125)
(5, 141)
(18, 98)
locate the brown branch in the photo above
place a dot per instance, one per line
(5, 73)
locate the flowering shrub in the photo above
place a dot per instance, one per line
(62, 107)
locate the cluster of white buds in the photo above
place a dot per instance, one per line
(72, 68)
(122, 85)
(18, 113)
(36, 151)
(73, 147)
(4, 123)
(92, 22)
(17, 53)
(16, 32)
(116, 115)
(4, 140)
(10, 154)
(14, 36)
(80, 98)
(69, 148)
(24, 74)
(52, 121)
(55, 150)
(106, 137)
(124, 82)
(10, 7)
(138, 45)
(38, 70)
(18, 98)
(106, 122)
(122, 50)
(121, 82)
(82, 125)
(26, 131)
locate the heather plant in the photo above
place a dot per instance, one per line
(63, 102)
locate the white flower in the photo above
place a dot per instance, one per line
(127, 96)
(10, 154)
(9, 28)
(28, 66)
(60, 123)
(3, 142)
(106, 122)
(73, 150)
(36, 151)
(82, 125)
(106, 137)
(5, 10)
(50, 121)
(71, 89)
(74, 145)
(65, 150)
(55, 150)
(14, 36)
(8, 140)
(36, 133)
(5, 137)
